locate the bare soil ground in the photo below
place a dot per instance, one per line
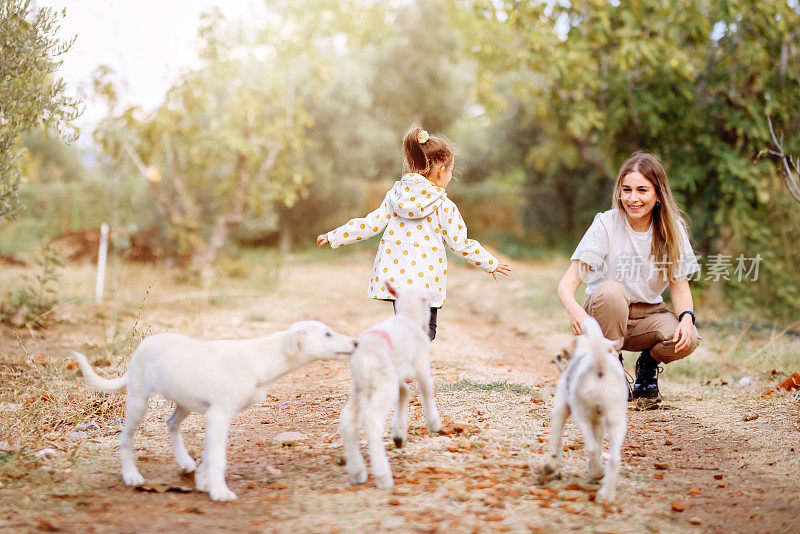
(712, 458)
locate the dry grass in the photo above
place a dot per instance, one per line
(730, 354)
(42, 405)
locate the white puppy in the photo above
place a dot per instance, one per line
(388, 354)
(593, 389)
(219, 378)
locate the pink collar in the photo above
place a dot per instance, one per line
(383, 334)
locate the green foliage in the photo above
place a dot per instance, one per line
(61, 194)
(333, 95)
(390, 64)
(30, 303)
(692, 81)
(29, 96)
(226, 140)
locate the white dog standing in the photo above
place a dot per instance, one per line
(593, 390)
(388, 354)
(219, 378)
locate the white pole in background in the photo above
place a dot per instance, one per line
(102, 255)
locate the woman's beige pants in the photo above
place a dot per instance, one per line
(636, 326)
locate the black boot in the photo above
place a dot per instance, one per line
(646, 385)
(627, 379)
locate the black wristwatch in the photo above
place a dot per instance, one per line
(690, 313)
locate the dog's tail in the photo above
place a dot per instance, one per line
(591, 328)
(95, 381)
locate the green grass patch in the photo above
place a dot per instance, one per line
(499, 386)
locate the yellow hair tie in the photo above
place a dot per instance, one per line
(423, 137)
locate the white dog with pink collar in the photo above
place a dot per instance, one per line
(389, 354)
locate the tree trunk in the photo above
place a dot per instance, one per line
(285, 235)
(204, 260)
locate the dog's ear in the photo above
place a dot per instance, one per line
(293, 342)
(563, 355)
(391, 289)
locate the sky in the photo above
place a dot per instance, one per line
(146, 42)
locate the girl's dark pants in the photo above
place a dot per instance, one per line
(431, 326)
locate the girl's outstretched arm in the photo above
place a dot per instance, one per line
(454, 232)
(359, 228)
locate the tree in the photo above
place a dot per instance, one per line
(692, 81)
(29, 95)
(386, 65)
(300, 108)
(224, 141)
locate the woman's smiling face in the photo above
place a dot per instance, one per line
(639, 198)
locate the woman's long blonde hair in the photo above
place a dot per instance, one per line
(667, 218)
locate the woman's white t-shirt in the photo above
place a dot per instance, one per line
(615, 251)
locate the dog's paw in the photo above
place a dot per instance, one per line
(434, 425)
(359, 477)
(187, 466)
(605, 495)
(547, 473)
(222, 494)
(133, 479)
(384, 481)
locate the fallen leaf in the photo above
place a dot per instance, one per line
(792, 382)
(191, 510)
(46, 525)
(750, 417)
(572, 496)
(677, 506)
(695, 520)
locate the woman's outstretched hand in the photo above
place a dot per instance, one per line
(576, 317)
(322, 239)
(503, 268)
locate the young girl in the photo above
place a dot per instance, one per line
(627, 258)
(419, 220)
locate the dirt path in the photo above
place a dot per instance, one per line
(694, 465)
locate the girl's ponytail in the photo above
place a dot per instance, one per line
(415, 157)
(421, 156)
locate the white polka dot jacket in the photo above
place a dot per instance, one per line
(419, 220)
